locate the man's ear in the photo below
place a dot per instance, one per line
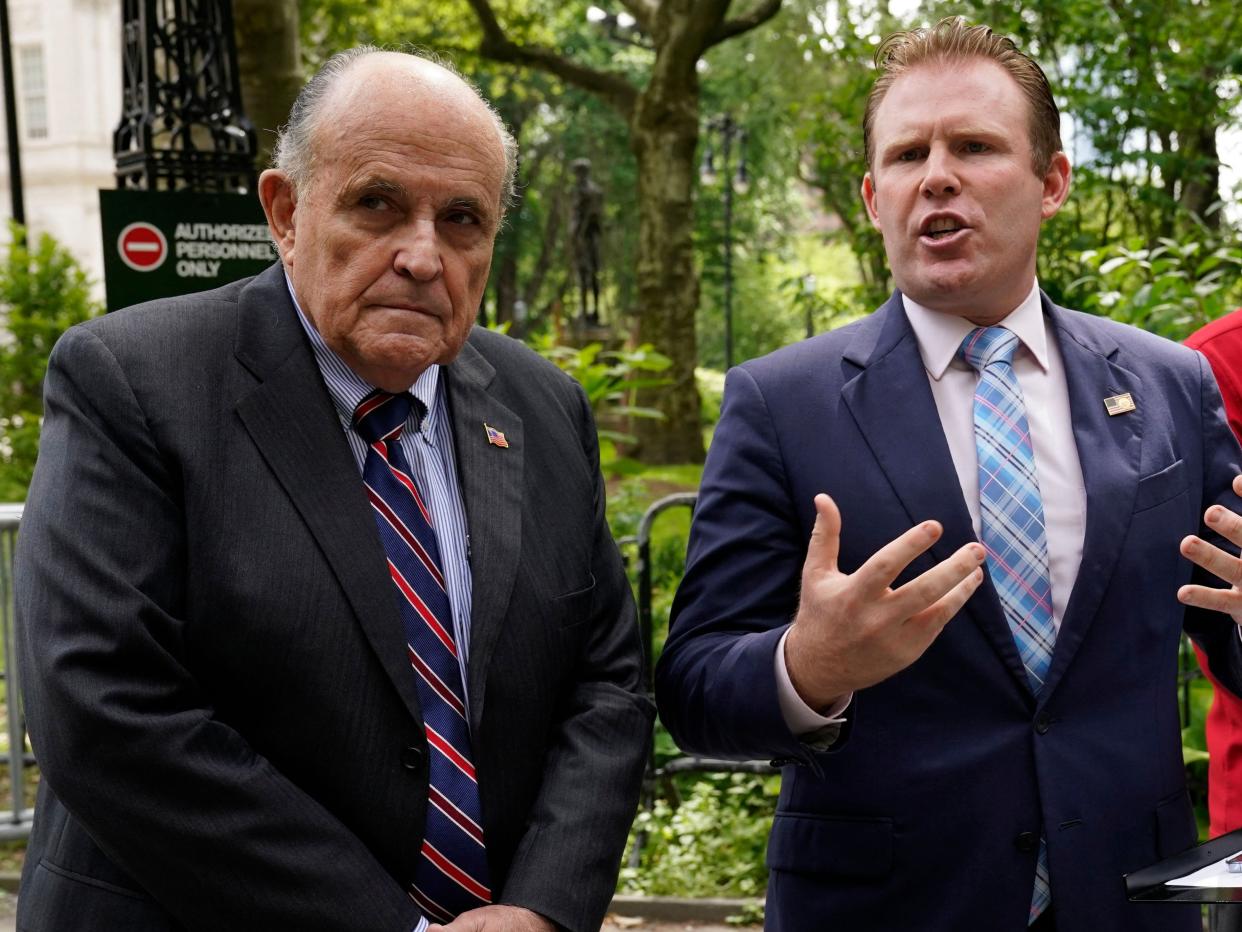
(1056, 185)
(279, 199)
(869, 198)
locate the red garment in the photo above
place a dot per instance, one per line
(1221, 342)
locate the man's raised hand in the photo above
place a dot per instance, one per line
(853, 630)
(1218, 562)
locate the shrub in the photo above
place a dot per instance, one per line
(43, 292)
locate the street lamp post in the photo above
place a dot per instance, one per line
(16, 201)
(727, 132)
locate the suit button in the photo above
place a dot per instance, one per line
(1026, 842)
(1043, 722)
(412, 758)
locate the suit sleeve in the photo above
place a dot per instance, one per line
(1215, 633)
(716, 680)
(566, 864)
(124, 735)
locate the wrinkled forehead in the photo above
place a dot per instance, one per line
(398, 106)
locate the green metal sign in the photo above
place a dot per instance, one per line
(163, 243)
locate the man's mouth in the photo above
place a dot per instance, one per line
(943, 227)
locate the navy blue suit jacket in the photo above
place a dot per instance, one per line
(926, 814)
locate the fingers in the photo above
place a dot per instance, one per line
(1225, 522)
(886, 564)
(940, 586)
(1228, 601)
(1220, 564)
(933, 618)
(825, 545)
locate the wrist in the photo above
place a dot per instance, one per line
(819, 694)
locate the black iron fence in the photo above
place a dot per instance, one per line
(14, 822)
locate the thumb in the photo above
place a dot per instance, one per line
(821, 552)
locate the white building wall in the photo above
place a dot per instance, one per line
(62, 174)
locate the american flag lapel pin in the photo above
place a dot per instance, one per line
(1119, 404)
(495, 437)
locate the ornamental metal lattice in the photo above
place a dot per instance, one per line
(182, 126)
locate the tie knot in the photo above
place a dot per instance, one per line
(986, 345)
(382, 416)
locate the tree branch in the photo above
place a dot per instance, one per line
(495, 44)
(762, 12)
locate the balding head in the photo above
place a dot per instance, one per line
(295, 154)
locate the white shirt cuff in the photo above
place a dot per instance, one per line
(422, 925)
(799, 716)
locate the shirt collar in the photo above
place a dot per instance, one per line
(939, 334)
(347, 388)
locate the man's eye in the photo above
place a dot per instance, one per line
(976, 147)
(372, 202)
(461, 218)
(908, 156)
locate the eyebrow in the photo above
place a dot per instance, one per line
(380, 185)
(374, 185)
(914, 140)
(467, 203)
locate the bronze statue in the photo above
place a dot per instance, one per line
(587, 226)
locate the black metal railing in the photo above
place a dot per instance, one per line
(14, 822)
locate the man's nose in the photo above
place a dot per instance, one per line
(940, 175)
(418, 252)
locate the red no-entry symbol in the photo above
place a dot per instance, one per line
(142, 247)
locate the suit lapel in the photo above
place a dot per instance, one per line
(491, 484)
(1109, 451)
(892, 404)
(292, 421)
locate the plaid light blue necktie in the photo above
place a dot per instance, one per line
(1012, 520)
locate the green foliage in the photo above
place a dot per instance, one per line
(1172, 288)
(609, 378)
(711, 844)
(711, 391)
(751, 914)
(43, 292)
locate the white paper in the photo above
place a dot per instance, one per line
(1214, 875)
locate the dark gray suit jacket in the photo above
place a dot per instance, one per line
(213, 667)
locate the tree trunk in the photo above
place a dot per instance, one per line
(506, 288)
(1201, 187)
(663, 133)
(270, 67)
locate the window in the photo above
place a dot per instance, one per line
(33, 83)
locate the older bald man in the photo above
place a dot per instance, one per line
(323, 627)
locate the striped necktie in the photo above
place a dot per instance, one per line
(1011, 516)
(451, 875)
